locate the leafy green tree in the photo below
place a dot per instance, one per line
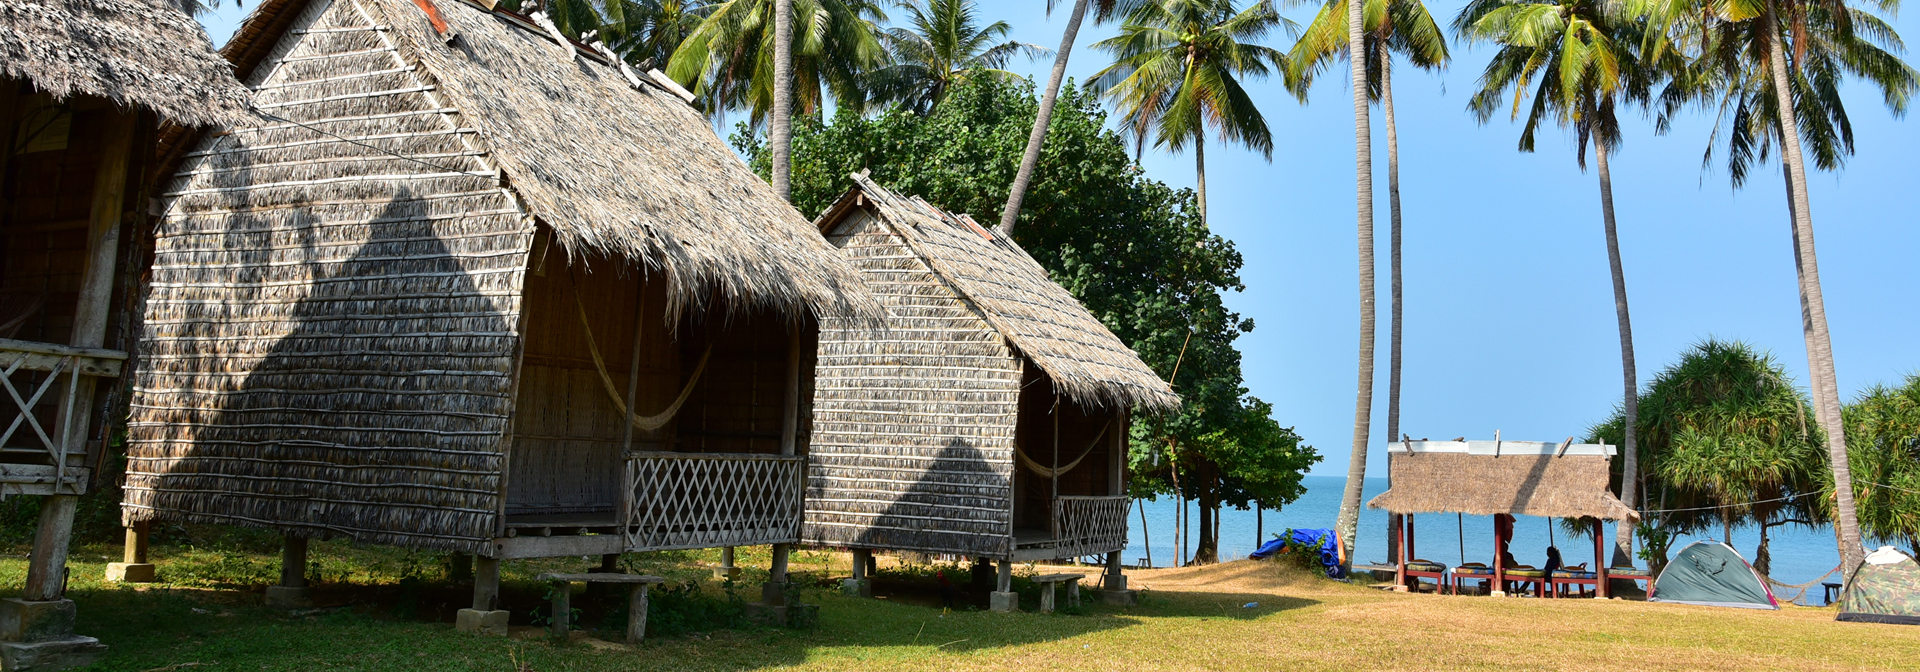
(942, 45)
(728, 60)
(1177, 70)
(1883, 443)
(1583, 62)
(1405, 28)
(1130, 248)
(1728, 440)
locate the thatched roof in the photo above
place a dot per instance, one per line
(136, 53)
(1037, 316)
(1487, 477)
(613, 169)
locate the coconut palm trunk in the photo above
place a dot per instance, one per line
(1393, 273)
(1630, 405)
(1039, 134)
(780, 125)
(1348, 522)
(1200, 176)
(1813, 310)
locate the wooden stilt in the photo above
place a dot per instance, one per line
(293, 562)
(1600, 587)
(486, 583)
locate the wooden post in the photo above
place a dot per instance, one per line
(562, 617)
(1053, 487)
(637, 614)
(486, 583)
(633, 389)
(775, 592)
(293, 562)
(47, 567)
(1600, 587)
(1073, 593)
(1046, 596)
(136, 551)
(1003, 580)
(861, 557)
(1499, 559)
(1400, 563)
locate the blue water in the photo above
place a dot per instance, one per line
(1800, 554)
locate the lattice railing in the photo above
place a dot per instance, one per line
(35, 450)
(1090, 525)
(704, 500)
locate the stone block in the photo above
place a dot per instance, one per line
(59, 654)
(724, 573)
(857, 587)
(1003, 602)
(131, 572)
(289, 597)
(35, 620)
(492, 623)
(1118, 598)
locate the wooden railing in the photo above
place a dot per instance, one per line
(35, 458)
(1090, 525)
(705, 500)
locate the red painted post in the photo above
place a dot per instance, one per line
(1400, 561)
(1601, 586)
(1499, 559)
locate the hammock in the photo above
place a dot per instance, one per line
(644, 422)
(1042, 469)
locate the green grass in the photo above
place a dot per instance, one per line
(390, 610)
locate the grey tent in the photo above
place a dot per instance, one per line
(1712, 574)
(1885, 590)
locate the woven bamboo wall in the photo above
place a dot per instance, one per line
(329, 331)
(913, 443)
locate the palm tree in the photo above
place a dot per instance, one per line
(729, 59)
(1347, 523)
(1585, 56)
(650, 31)
(1745, 46)
(1103, 10)
(943, 47)
(1177, 70)
(1407, 28)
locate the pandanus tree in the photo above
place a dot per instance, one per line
(1580, 62)
(1393, 27)
(1103, 10)
(1883, 437)
(941, 46)
(1176, 77)
(1758, 58)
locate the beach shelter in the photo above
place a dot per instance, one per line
(988, 419)
(1711, 573)
(469, 285)
(1885, 590)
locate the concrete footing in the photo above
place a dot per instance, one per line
(724, 573)
(481, 622)
(131, 572)
(38, 635)
(857, 587)
(289, 597)
(59, 654)
(1118, 598)
(1003, 602)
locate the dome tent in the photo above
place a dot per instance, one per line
(1885, 590)
(1711, 573)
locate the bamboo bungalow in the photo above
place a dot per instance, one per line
(988, 420)
(1502, 479)
(84, 88)
(469, 285)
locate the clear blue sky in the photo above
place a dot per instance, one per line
(1509, 315)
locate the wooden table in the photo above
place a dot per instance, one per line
(1049, 581)
(563, 601)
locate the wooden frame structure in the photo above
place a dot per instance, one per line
(988, 418)
(469, 285)
(1536, 478)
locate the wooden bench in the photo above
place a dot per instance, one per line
(563, 601)
(1049, 581)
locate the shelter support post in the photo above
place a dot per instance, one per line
(774, 593)
(861, 585)
(292, 592)
(133, 566)
(484, 618)
(726, 570)
(1003, 598)
(1601, 588)
(1499, 588)
(1400, 560)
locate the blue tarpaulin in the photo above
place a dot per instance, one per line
(1323, 540)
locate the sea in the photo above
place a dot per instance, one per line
(1800, 554)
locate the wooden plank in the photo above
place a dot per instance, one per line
(516, 548)
(1050, 578)
(600, 577)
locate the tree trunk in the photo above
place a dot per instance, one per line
(1813, 309)
(1200, 177)
(1393, 273)
(780, 127)
(1630, 404)
(1349, 520)
(1207, 551)
(1039, 135)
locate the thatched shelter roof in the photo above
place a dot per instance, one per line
(613, 168)
(1037, 316)
(1530, 478)
(136, 53)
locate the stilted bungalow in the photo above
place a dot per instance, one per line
(469, 285)
(1504, 479)
(84, 89)
(988, 420)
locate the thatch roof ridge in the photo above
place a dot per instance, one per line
(136, 53)
(1038, 317)
(1530, 483)
(633, 173)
